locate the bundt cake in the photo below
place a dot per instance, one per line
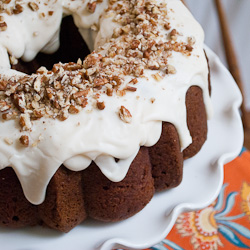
(96, 136)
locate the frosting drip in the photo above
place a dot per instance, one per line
(98, 134)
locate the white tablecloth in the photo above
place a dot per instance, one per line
(238, 16)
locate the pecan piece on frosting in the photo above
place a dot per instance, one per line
(73, 109)
(19, 102)
(130, 88)
(157, 77)
(24, 139)
(170, 69)
(18, 9)
(125, 115)
(91, 7)
(25, 122)
(100, 105)
(173, 34)
(33, 6)
(3, 26)
(3, 85)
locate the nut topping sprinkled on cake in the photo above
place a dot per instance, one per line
(142, 42)
(17, 7)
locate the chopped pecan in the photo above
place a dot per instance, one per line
(37, 84)
(100, 81)
(56, 68)
(117, 79)
(4, 106)
(157, 77)
(3, 85)
(189, 47)
(139, 71)
(80, 94)
(42, 70)
(3, 26)
(100, 105)
(134, 81)
(117, 32)
(146, 54)
(64, 114)
(125, 115)
(50, 93)
(8, 141)
(130, 88)
(125, 29)
(33, 6)
(25, 122)
(18, 9)
(72, 66)
(37, 114)
(13, 60)
(170, 69)
(109, 92)
(191, 40)
(152, 100)
(19, 102)
(24, 139)
(73, 110)
(153, 65)
(91, 60)
(9, 115)
(167, 26)
(120, 92)
(91, 7)
(173, 34)
(135, 44)
(82, 101)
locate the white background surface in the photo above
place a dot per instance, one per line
(238, 16)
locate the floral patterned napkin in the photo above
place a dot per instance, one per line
(225, 224)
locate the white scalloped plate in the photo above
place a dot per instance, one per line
(203, 178)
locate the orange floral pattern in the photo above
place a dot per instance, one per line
(224, 224)
(201, 227)
(245, 195)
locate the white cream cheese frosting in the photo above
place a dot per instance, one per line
(97, 134)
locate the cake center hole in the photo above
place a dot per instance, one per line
(15, 218)
(72, 47)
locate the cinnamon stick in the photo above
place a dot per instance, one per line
(184, 2)
(231, 58)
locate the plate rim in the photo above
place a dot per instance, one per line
(221, 161)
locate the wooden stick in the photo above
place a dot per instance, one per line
(231, 58)
(184, 2)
